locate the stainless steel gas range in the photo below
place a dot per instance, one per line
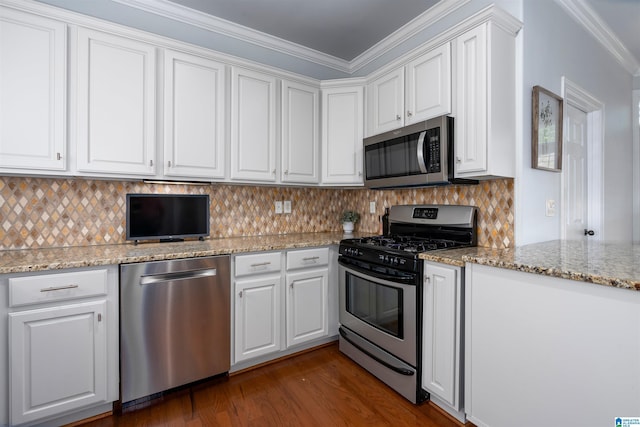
(381, 290)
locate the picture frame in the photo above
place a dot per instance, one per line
(546, 130)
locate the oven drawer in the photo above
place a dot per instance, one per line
(307, 258)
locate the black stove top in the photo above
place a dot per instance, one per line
(414, 229)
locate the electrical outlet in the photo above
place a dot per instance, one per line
(372, 207)
(287, 206)
(278, 207)
(550, 208)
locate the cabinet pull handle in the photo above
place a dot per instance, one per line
(58, 288)
(310, 258)
(398, 117)
(261, 264)
(273, 172)
(169, 163)
(58, 156)
(150, 162)
(409, 114)
(99, 317)
(359, 173)
(240, 294)
(286, 172)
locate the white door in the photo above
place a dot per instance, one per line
(300, 133)
(62, 346)
(194, 116)
(32, 92)
(257, 317)
(342, 131)
(576, 187)
(307, 297)
(428, 85)
(116, 108)
(253, 126)
(386, 102)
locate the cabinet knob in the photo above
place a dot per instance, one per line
(58, 156)
(150, 162)
(359, 173)
(273, 172)
(240, 294)
(286, 172)
(169, 163)
(589, 232)
(398, 117)
(458, 160)
(409, 114)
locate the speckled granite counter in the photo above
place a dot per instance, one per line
(17, 261)
(610, 264)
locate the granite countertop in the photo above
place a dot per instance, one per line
(25, 260)
(609, 264)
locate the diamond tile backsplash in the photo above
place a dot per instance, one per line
(43, 212)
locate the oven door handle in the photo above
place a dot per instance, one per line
(398, 369)
(409, 278)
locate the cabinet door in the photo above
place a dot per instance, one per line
(257, 317)
(428, 87)
(33, 89)
(194, 116)
(386, 102)
(64, 346)
(116, 106)
(471, 103)
(300, 133)
(441, 329)
(306, 302)
(342, 129)
(253, 126)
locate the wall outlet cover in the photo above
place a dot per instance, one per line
(287, 206)
(278, 207)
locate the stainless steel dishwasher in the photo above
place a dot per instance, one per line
(174, 323)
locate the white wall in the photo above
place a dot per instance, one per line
(554, 45)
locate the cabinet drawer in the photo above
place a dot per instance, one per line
(258, 263)
(56, 287)
(307, 258)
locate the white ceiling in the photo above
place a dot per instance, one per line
(347, 28)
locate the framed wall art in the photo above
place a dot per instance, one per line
(546, 134)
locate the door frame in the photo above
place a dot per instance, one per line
(578, 97)
(635, 125)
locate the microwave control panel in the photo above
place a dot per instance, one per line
(432, 150)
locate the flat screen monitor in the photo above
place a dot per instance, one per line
(167, 217)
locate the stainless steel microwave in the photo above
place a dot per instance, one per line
(420, 154)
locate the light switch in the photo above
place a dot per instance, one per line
(550, 208)
(372, 207)
(287, 206)
(278, 207)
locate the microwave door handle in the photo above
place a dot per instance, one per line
(421, 160)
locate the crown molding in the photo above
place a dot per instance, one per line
(589, 19)
(404, 33)
(188, 16)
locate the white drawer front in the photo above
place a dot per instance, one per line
(258, 263)
(56, 287)
(307, 258)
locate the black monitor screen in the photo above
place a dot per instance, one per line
(167, 216)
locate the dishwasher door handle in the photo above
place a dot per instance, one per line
(149, 279)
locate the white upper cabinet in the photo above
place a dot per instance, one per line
(253, 126)
(300, 133)
(485, 107)
(33, 104)
(342, 133)
(116, 104)
(194, 116)
(418, 91)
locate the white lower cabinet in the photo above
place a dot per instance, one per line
(257, 316)
(62, 344)
(442, 336)
(307, 295)
(277, 309)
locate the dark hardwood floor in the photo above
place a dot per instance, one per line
(318, 388)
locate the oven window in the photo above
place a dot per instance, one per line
(376, 304)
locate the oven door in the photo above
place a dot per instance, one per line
(380, 308)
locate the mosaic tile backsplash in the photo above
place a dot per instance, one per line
(43, 212)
